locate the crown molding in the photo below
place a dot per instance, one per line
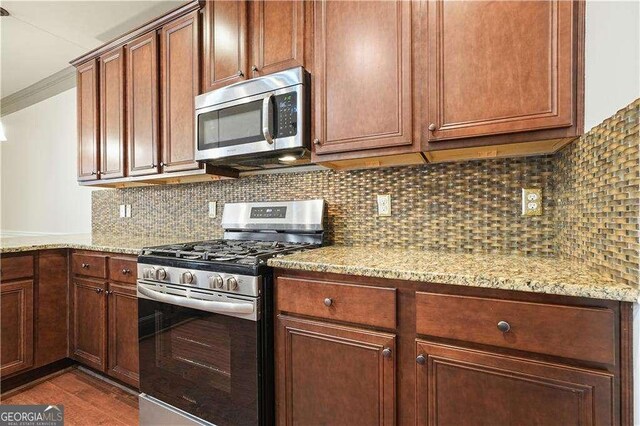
(44, 89)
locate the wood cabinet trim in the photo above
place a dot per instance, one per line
(116, 54)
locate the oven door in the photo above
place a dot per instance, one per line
(262, 123)
(199, 361)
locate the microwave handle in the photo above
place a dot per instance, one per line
(266, 108)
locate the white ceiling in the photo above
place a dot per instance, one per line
(41, 37)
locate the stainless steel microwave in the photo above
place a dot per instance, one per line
(255, 121)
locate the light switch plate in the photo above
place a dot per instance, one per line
(123, 211)
(127, 210)
(384, 205)
(531, 201)
(212, 209)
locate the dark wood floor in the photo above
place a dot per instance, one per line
(86, 399)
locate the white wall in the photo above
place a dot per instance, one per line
(612, 81)
(612, 58)
(38, 169)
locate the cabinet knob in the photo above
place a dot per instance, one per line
(316, 141)
(386, 352)
(126, 271)
(420, 359)
(108, 292)
(254, 68)
(328, 302)
(161, 164)
(432, 127)
(504, 326)
(99, 290)
(240, 73)
(85, 265)
(93, 173)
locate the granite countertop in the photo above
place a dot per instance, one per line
(124, 245)
(508, 272)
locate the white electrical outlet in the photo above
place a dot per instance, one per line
(123, 211)
(531, 201)
(127, 210)
(212, 209)
(384, 205)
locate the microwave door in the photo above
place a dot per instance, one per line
(241, 127)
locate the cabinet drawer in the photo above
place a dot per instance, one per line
(15, 267)
(91, 265)
(342, 302)
(568, 331)
(123, 269)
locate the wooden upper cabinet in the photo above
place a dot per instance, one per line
(142, 105)
(112, 114)
(362, 79)
(88, 120)
(225, 44)
(278, 32)
(16, 318)
(499, 67)
(180, 71)
(333, 375)
(468, 387)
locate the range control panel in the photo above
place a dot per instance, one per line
(286, 115)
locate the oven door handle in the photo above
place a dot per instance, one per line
(202, 305)
(266, 109)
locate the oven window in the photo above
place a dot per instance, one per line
(203, 363)
(235, 125)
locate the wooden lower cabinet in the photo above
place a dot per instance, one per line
(16, 317)
(89, 317)
(123, 333)
(333, 375)
(458, 386)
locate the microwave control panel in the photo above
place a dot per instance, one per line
(286, 115)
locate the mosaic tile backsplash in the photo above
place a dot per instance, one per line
(590, 205)
(597, 192)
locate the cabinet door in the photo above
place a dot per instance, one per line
(16, 320)
(180, 84)
(123, 333)
(89, 319)
(112, 112)
(467, 387)
(142, 105)
(52, 310)
(499, 67)
(331, 374)
(362, 80)
(225, 43)
(87, 92)
(278, 30)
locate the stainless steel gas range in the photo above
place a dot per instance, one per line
(205, 317)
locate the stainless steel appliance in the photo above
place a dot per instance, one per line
(205, 317)
(255, 122)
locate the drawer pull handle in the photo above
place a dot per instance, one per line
(504, 326)
(126, 271)
(421, 359)
(386, 352)
(85, 265)
(328, 302)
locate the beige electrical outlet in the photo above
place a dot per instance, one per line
(531, 201)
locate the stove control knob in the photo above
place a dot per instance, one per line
(148, 273)
(161, 274)
(232, 283)
(215, 281)
(187, 277)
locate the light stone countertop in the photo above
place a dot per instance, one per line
(124, 245)
(507, 272)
